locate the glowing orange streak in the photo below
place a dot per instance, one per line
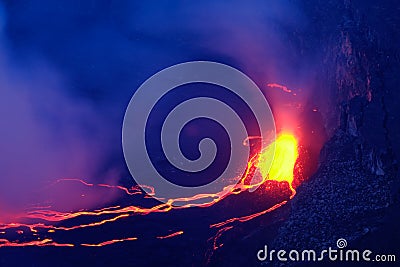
(136, 190)
(170, 235)
(108, 208)
(218, 235)
(110, 242)
(279, 86)
(241, 219)
(35, 227)
(56, 216)
(39, 243)
(18, 225)
(251, 216)
(92, 224)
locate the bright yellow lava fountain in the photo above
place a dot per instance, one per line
(283, 158)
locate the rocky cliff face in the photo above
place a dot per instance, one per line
(360, 90)
(355, 192)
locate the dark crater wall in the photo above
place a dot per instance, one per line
(355, 192)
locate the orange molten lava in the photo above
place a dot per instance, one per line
(283, 153)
